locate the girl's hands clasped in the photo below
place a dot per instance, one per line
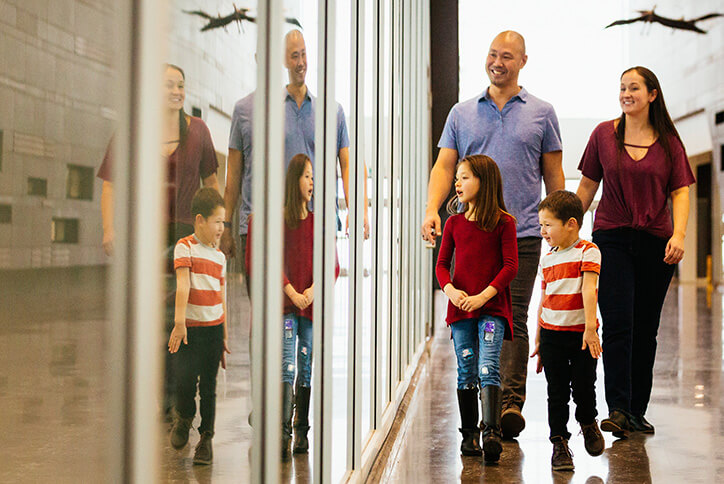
(456, 296)
(471, 303)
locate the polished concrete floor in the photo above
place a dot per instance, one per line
(54, 398)
(686, 408)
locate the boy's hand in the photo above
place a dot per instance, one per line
(590, 340)
(299, 300)
(536, 352)
(456, 297)
(178, 334)
(471, 303)
(223, 354)
(309, 294)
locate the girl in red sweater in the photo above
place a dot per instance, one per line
(483, 239)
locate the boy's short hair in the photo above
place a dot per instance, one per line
(564, 205)
(205, 202)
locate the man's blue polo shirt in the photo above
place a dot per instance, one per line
(515, 138)
(298, 138)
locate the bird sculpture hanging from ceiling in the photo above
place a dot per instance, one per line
(239, 15)
(649, 16)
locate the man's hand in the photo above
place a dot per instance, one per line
(178, 334)
(431, 227)
(228, 244)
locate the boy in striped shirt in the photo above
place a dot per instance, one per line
(199, 322)
(567, 342)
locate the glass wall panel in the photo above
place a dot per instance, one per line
(343, 333)
(384, 204)
(368, 165)
(60, 99)
(215, 48)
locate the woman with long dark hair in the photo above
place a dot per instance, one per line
(643, 163)
(189, 154)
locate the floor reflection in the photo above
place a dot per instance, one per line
(686, 408)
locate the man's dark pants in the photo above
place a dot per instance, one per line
(515, 353)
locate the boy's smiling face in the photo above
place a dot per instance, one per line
(209, 230)
(557, 232)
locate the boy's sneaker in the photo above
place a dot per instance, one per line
(593, 439)
(204, 453)
(562, 459)
(180, 431)
(618, 423)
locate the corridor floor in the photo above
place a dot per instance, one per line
(686, 408)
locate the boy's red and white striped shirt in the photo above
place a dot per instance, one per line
(562, 282)
(207, 273)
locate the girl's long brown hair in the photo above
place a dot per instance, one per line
(489, 203)
(293, 201)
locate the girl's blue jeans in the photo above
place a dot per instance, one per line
(297, 336)
(477, 348)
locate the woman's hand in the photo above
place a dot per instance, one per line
(674, 249)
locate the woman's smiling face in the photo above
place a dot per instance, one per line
(173, 82)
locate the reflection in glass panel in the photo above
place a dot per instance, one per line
(342, 328)
(207, 99)
(384, 205)
(299, 239)
(368, 106)
(57, 107)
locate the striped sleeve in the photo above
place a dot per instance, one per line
(591, 261)
(182, 254)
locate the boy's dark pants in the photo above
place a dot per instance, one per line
(568, 367)
(198, 361)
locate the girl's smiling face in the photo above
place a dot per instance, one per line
(466, 184)
(306, 183)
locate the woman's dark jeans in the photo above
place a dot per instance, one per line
(632, 288)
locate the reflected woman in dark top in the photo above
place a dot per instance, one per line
(189, 153)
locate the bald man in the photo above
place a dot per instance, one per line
(299, 108)
(520, 132)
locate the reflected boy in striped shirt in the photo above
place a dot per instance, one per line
(567, 343)
(199, 322)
